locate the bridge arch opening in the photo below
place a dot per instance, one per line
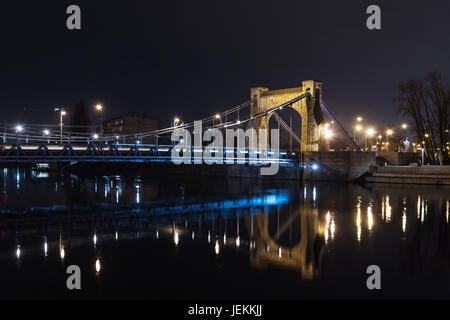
(294, 120)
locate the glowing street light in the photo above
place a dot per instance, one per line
(95, 136)
(369, 133)
(99, 108)
(45, 133)
(404, 126)
(359, 119)
(327, 132)
(62, 113)
(19, 128)
(356, 128)
(176, 120)
(388, 133)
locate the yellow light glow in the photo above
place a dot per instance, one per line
(217, 247)
(63, 113)
(388, 209)
(404, 220)
(369, 217)
(358, 220)
(359, 119)
(447, 209)
(99, 107)
(327, 133)
(370, 132)
(98, 266)
(389, 132)
(217, 116)
(404, 126)
(358, 127)
(176, 238)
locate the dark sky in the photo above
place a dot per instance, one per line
(194, 58)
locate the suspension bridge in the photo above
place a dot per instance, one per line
(262, 113)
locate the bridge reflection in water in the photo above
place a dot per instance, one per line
(273, 227)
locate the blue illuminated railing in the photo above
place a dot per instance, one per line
(142, 152)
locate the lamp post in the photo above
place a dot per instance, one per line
(218, 117)
(356, 128)
(369, 132)
(19, 129)
(99, 108)
(175, 122)
(388, 133)
(404, 127)
(45, 133)
(62, 113)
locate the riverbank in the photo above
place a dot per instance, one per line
(434, 175)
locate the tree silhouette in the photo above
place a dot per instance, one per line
(427, 105)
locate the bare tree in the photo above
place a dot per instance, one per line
(427, 105)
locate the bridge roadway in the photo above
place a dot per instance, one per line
(135, 152)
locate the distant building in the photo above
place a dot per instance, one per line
(129, 125)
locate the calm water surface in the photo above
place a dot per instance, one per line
(136, 237)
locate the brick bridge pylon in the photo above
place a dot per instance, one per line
(309, 109)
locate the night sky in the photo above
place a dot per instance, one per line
(195, 58)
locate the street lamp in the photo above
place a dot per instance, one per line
(99, 108)
(358, 128)
(369, 132)
(175, 122)
(45, 133)
(327, 133)
(218, 117)
(404, 127)
(19, 128)
(388, 133)
(62, 113)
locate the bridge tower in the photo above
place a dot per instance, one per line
(302, 257)
(309, 109)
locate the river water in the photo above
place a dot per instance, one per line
(209, 238)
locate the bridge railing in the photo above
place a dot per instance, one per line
(142, 152)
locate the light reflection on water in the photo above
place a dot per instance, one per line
(309, 232)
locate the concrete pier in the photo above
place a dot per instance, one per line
(337, 166)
